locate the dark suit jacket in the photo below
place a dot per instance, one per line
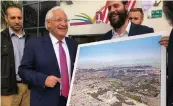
(170, 71)
(39, 61)
(134, 30)
(8, 73)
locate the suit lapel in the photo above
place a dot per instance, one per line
(108, 35)
(70, 49)
(132, 31)
(50, 50)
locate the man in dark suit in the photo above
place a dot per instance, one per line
(168, 10)
(13, 91)
(122, 27)
(48, 62)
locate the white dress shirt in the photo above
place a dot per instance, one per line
(124, 34)
(56, 49)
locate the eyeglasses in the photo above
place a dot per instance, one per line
(59, 20)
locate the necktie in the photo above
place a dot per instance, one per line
(64, 71)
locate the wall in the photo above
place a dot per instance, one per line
(159, 24)
(89, 8)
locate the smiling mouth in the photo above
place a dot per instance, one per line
(62, 29)
(114, 14)
(114, 17)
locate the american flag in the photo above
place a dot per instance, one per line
(131, 4)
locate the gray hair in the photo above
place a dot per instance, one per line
(49, 14)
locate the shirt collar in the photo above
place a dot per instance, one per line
(55, 40)
(12, 32)
(127, 29)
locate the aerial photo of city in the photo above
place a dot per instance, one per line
(124, 73)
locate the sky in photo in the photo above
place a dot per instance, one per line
(136, 51)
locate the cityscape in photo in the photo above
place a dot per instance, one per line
(124, 73)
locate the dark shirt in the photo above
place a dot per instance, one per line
(170, 71)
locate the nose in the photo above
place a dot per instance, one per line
(64, 22)
(133, 21)
(17, 20)
(112, 8)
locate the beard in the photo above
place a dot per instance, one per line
(16, 27)
(121, 18)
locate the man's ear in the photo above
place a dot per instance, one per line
(48, 23)
(6, 19)
(126, 6)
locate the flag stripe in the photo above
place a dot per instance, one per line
(133, 5)
(106, 16)
(105, 11)
(129, 4)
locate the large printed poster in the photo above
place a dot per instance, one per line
(122, 72)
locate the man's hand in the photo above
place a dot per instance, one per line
(164, 41)
(51, 81)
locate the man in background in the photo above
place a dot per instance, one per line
(136, 15)
(13, 91)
